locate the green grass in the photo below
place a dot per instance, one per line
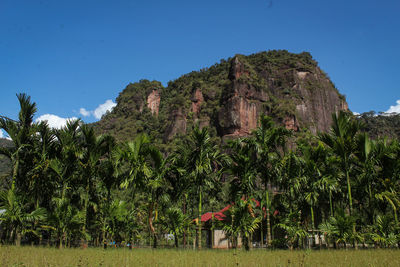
(33, 256)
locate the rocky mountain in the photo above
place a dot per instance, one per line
(229, 97)
(380, 124)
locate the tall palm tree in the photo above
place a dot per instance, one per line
(132, 162)
(93, 149)
(68, 150)
(269, 143)
(342, 141)
(203, 165)
(243, 170)
(155, 186)
(21, 133)
(179, 182)
(135, 166)
(41, 186)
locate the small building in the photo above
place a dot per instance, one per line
(216, 237)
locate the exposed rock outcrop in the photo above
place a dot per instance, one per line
(178, 124)
(197, 100)
(242, 104)
(229, 98)
(153, 102)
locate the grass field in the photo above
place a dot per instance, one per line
(33, 256)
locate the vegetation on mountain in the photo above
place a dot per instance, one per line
(380, 124)
(228, 98)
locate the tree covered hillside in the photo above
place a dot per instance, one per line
(228, 97)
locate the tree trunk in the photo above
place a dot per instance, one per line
(15, 172)
(245, 241)
(154, 240)
(268, 220)
(261, 234)
(176, 239)
(151, 226)
(18, 237)
(60, 240)
(312, 227)
(351, 206)
(184, 230)
(199, 233)
(212, 229)
(86, 204)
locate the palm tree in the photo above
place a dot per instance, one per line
(203, 165)
(241, 221)
(177, 222)
(179, 182)
(342, 141)
(328, 184)
(109, 180)
(132, 162)
(93, 149)
(21, 133)
(155, 186)
(295, 233)
(242, 169)
(15, 215)
(269, 143)
(41, 186)
(135, 165)
(383, 231)
(68, 149)
(65, 218)
(392, 198)
(339, 228)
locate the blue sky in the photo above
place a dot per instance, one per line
(75, 55)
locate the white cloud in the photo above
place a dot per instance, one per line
(103, 108)
(4, 135)
(394, 109)
(84, 112)
(100, 110)
(54, 121)
(356, 113)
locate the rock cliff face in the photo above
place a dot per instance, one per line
(229, 97)
(312, 94)
(197, 100)
(153, 102)
(241, 103)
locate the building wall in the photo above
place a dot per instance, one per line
(221, 241)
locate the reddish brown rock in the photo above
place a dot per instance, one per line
(317, 103)
(178, 124)
(242, 104)
(153, 102)
(238, 69)
(197, 100)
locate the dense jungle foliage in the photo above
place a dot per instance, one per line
(71, 187)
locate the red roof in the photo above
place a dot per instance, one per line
(217, 215)
(220, 214)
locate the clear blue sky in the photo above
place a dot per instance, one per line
(77, 54)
